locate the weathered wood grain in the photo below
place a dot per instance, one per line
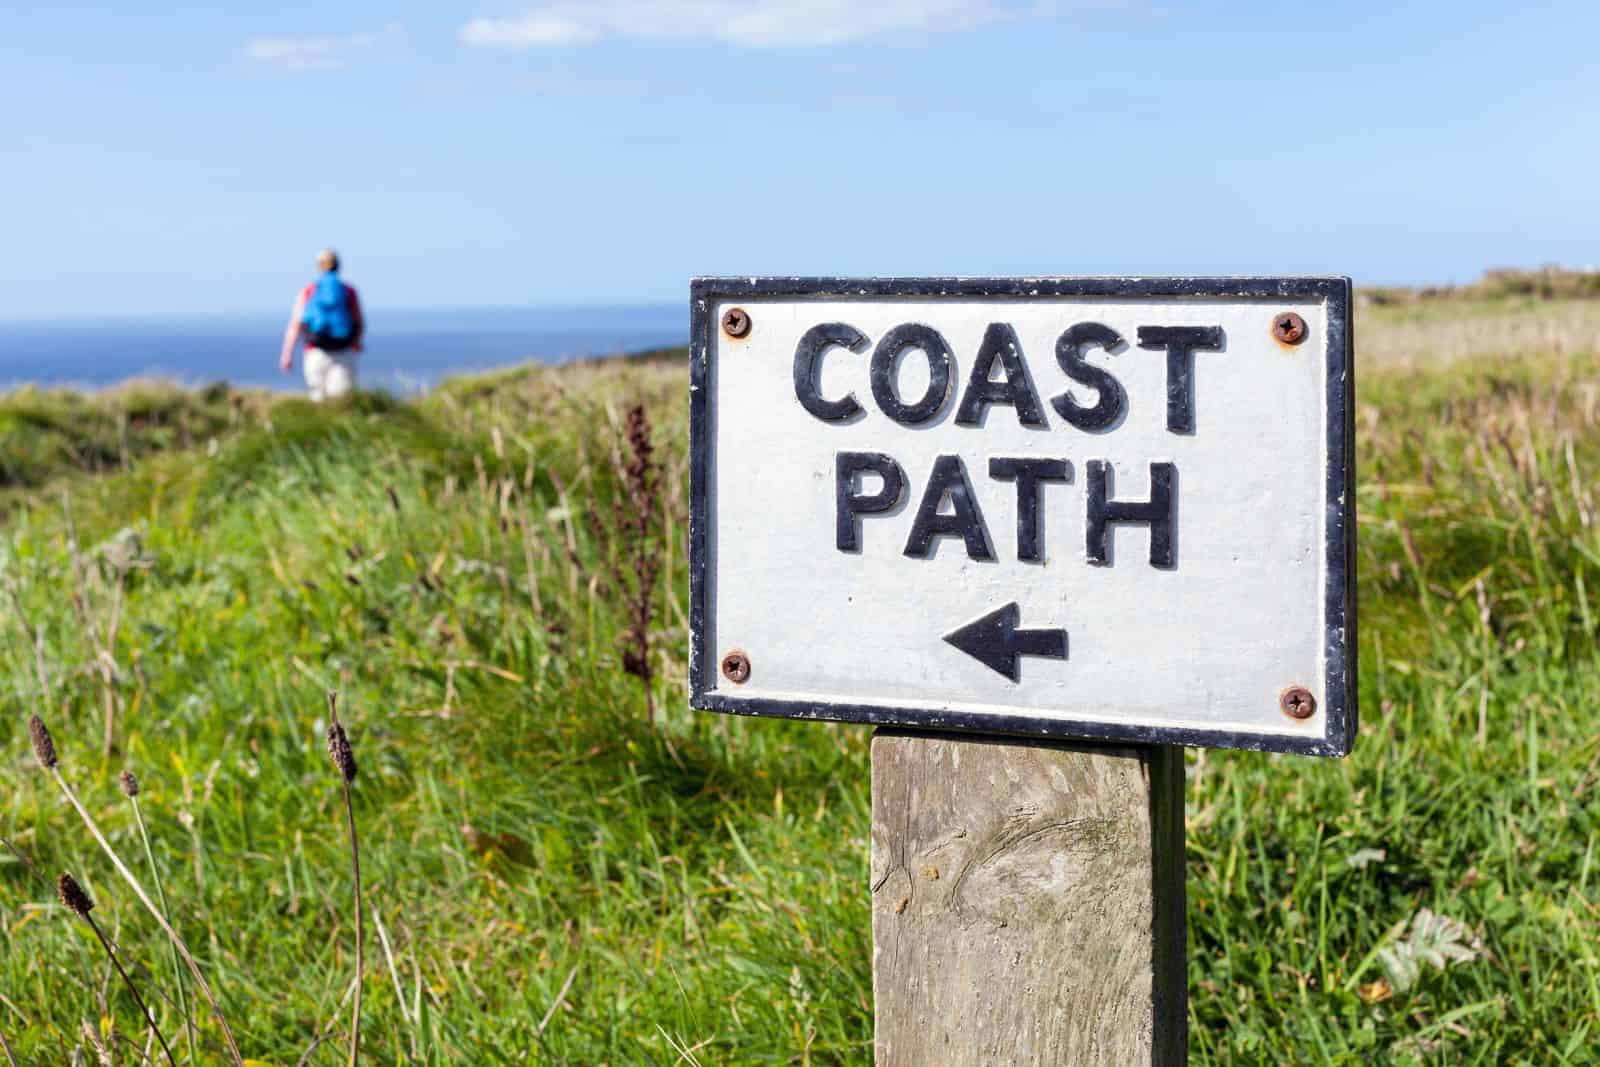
(1027, 903)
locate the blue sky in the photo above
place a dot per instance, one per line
(192, 158)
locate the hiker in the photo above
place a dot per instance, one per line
(327, 316)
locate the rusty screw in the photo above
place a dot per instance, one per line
(1297, 702)
(736, 667)
(736, 322)
(1289, 328)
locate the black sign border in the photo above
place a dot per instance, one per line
(1338, 698)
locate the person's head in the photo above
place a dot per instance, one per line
(327, 259)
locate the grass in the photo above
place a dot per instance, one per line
(46, 431)
(1544, 284)
(553, 880)
(1471, 792)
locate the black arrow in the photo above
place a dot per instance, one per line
(995, 641)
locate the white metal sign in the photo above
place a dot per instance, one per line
(1113, 508)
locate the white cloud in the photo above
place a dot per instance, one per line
(306, 53)
(751, 23)
(530, 31)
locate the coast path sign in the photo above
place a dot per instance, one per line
(1093, 508)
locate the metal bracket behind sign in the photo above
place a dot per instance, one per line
(1338, 697)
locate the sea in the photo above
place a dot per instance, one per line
(405, 351)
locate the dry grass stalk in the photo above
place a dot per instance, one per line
(1407, 543)
(80, 594)
(394, 975)
(108, 664)
(344, 761)
(525, 525)
(104, 661)
(574, 562)
(105, 1052)
(83, 603)
(130, 788)
(37, 633)
(78, 902)
(44, 749)
(1402, 341)
(555, 1004)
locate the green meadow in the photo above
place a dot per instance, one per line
(550, 874)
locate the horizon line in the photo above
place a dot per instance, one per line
(115, 318)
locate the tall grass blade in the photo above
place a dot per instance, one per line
(130, 787)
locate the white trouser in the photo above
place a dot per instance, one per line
(330, 375)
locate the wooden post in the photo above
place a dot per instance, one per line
(1027, 902)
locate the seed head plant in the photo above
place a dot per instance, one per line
(73, 896)
(77, 901)
(44, 748)
(344, 761)
(636, 566)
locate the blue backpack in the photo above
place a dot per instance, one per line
(328, 321)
